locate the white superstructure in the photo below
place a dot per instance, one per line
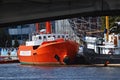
(110, 47)
(39, 38)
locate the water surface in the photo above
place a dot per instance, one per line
(20, 72)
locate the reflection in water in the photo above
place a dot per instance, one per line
(18, 72)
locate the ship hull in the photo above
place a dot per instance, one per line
(102, 59)
(7, 59)
(60, 52)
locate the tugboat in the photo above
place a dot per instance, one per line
(104, 51)
(48, 49)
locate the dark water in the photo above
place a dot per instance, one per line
(18, 72)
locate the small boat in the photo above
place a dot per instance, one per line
(6, 59)
(48, 49)
(8, 55)
(103, 51)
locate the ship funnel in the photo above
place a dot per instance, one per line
(37, 27)
(48, 27)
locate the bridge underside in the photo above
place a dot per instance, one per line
(24, 11)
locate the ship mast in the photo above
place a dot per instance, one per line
(107, 28)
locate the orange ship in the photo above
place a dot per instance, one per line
(48, 49)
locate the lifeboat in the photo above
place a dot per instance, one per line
(48, 49)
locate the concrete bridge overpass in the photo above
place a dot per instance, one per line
(24, 11)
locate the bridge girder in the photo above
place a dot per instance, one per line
(24, 11)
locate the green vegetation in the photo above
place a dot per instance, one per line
(112, 20)
(5, 39)
(16, 43)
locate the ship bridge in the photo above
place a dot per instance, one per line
(28, 11)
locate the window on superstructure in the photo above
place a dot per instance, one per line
(44, 37)
(58, 36)
(40, 37)
(63, 36)
(66, 37)
(54, 36)
(48, 36)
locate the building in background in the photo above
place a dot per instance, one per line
(21, 32)
(77, 27)
(24, 32)
(83, 26)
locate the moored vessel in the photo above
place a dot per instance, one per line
(48, 49)
(8, 55)
(104, 51)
